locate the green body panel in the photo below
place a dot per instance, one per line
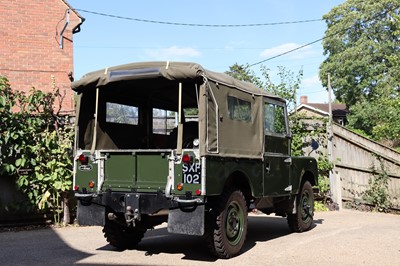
(119, 171)
(142, 171)
(152, 171)
(83, 177)
(302, 166)
(219, 170)
(277, 176)
(281, 176)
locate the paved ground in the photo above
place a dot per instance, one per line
(338, 238)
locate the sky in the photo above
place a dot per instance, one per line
(106, 41)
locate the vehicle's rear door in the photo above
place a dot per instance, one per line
(140, 170)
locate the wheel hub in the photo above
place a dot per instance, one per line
(234, 223)
(306, 207)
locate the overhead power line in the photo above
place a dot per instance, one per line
(198, 25)
(325, 37)
(290, 51)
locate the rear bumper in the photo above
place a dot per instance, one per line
(132, 207)
(143, 203)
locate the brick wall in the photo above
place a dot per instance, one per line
(30, 53)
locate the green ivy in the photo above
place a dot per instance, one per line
(305, 130)
(36, 148)
(377, 192)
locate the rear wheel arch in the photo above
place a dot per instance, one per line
(308, 176)
(241, 181)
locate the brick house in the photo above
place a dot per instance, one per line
(339, 111)
(36, 49)
(36, 46)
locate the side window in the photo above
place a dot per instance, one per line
(164, 121)
(239, 109)
(274, 119)
(121, 114)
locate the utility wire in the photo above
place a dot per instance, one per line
(198, 25)
(325, 37)
(290, 51)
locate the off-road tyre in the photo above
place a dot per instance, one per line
(122, 237)
(226, 224)
(303, 219)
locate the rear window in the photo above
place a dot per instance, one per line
(164, 121)
(239, 109)
(121, 114)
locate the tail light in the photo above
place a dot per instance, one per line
(187, 159)
(83, 159)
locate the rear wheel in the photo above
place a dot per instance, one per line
(303, 219)
(227, 225)
(122, 237)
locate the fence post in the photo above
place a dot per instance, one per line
(334, 179)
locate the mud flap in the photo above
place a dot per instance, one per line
(187, 221)
(92, 214)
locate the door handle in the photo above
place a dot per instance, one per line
(267, 168)
(288, 160)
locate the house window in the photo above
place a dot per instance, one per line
(239, 109)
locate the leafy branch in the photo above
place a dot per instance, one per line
(36, 148)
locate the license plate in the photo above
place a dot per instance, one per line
(191, 173)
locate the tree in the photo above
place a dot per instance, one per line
(36, 149)
(362, 44)
(244, 73)
(286, 88)
(362, 48)
(377, 119)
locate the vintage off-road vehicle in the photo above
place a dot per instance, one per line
(141, 159)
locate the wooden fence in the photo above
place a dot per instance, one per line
(355, 157)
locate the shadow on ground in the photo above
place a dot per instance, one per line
(260, 229)
(37, 247)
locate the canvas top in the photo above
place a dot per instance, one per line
(179, 71)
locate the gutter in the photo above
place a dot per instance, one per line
(77, 28)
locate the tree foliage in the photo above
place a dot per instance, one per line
(362, 44)
(36, 148)
(286, 87)
(244, 73)
(362, 48)
(377, 192)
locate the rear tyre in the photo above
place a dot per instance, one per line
(227, 225)
(303, 219)
(122, 237)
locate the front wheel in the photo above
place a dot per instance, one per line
(303, 219)
(227, 226)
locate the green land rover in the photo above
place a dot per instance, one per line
(173, 142)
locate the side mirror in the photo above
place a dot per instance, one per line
(314, 145)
